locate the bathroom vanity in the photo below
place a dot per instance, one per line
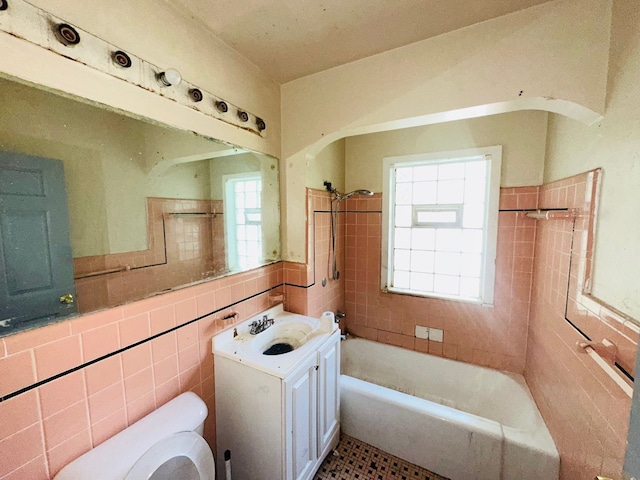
(277, 414)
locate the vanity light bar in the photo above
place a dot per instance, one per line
(23, 20)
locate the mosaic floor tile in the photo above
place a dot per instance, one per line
(356, 460)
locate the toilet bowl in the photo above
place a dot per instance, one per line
(166, 444)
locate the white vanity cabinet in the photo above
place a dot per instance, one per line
(278, 426)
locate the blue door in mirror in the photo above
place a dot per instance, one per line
(36, 265)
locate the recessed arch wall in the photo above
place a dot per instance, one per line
(552, 57)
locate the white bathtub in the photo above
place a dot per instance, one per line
(458, 420)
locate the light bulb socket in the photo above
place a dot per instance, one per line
(222, 106)
(4, 4)
(243, 116)
(260, 124)
(67, 35)
(121, 59)
(196, 95)
(169, 77)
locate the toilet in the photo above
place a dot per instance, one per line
(166, 444)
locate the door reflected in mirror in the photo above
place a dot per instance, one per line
(150, 208)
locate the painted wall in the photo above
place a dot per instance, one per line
(328, 165)
(551, 57)
(521, 134)
(614, 145)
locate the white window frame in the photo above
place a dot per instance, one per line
(494, 156)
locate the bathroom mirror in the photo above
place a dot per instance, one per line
(150, 208)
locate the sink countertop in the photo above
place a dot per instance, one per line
(240, 348)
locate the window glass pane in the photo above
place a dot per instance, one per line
(450, 171)
(436, 216)
(239, 199)
(473, 216)
(446, 284)
(240, 217)
(451, 191)
(448, 263)
(424, 193)
(238, 186)
(470, 287)
(403, 216)
(472, 241)
(251, 200)
(422, 282)
(402, 259)
(474, 191)
(449, 239)
(471, 265)
(422, 261)
(423, 239)
(404, 174)
(476, 169)
(254, 217)
(403, 194)
(401, 279)
(253, 233)
(425, 172)
(241, 233)
(402, 238)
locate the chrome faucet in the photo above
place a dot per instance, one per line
(258, 326)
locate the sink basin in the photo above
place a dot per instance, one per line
(282, 338)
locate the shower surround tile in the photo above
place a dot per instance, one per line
(585, 411)
(495, 337)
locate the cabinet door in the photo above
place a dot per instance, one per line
(328, 392)
(301, 419)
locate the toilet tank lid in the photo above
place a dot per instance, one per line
(113, 459)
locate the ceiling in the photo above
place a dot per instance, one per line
(289, 39)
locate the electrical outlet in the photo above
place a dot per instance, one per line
(422, 332)
(436, 335)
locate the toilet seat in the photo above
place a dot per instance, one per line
(182, 444)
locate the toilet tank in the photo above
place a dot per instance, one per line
(113, 459)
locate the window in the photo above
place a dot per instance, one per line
(440, 215)
(243, 219)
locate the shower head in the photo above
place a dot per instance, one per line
(368, 193)
(339, 197)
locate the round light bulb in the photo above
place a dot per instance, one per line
(171, 76)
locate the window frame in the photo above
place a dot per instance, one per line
(230, 224)
(493, 155)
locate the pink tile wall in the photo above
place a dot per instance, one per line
(495, 337)
(49, 425)
(305, 293)
(586, 412)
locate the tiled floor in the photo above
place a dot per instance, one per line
(356, 460)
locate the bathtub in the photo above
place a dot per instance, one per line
(457, 420)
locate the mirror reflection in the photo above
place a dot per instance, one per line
(98, 209)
